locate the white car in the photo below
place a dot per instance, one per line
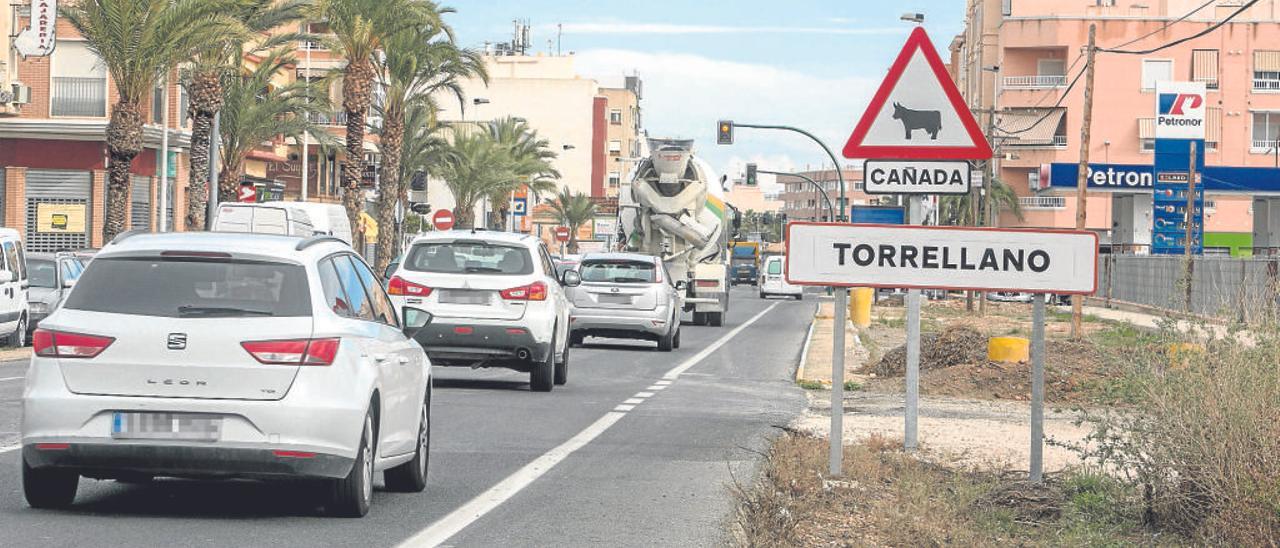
(772, 281)
(15, 312)
(227, 355)
(629, 296)
(495, 299)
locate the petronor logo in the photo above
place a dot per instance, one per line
(1180, 104)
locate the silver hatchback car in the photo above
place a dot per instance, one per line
(626, 296)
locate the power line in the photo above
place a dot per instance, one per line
(1049, 110)
(1166, 25)
(1211, 28)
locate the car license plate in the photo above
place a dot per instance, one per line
(166, 426)
(615, 299)
(463, 297)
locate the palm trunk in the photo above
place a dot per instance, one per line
(124, 143)
(464, 215)
(229, 181)
(357, 85)
(206, 101)
(389, 187)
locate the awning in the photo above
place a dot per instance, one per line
(369, 226)
(1266, 61)
(1146, 128)
(1035, 126)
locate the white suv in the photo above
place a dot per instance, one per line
(15, 315)
(227, 355)
(495, 300)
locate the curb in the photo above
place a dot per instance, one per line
(804, 351)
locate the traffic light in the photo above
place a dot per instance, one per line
(767, 218)
(751, 175)
(421, 209)
(724, 132)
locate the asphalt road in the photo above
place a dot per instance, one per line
(579, 466)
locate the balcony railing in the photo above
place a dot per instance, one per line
(79, 97)
(1035, 82)
(1043, 202)
(1266, 84)
(1059, 141)
(335, 118)
(1210, 82)
(1265, 145)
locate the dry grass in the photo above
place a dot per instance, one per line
(889, 498)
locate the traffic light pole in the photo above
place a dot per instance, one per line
(834, 162)
(831, 210)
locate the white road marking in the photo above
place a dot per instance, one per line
(677, 370)
(633, 401)
(624, 408)
(644, 394)
(657, 387)
(11, 379)
(662, 383)
(457, 520)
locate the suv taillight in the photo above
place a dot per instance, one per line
(293, 351)
(536, 291)
(399, 286)
(60, 344)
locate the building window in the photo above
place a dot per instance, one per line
(1156, 70)
(615, 116)
(1266, 70)
(615, 148)
(615, 179)
(1204, 67)
(157, 104)
(1266, 131)
(1147, 145)
(79, 82)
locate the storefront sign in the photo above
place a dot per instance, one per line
(60, 218)
(38, 39)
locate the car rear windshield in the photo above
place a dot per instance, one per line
(775, 267)
(43, 273)
(192, 288)
(467, 257)
(619, 271)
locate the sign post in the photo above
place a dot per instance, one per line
(1037, 389)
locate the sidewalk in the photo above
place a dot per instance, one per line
(815, 365)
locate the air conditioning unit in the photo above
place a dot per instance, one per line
(21, 94)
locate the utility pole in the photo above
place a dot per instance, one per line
(164, 158)
(211, 203)
(988, 178)
(1082, 179)
(306, 135)
(1189, 267)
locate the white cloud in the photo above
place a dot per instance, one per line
(684, 95)
(670, 28)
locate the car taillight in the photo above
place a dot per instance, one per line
(399, 286)
(293, 351)
(706, 283)
(536, 291)
(60, 344)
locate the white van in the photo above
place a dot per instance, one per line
(304, 219)
(14, 311)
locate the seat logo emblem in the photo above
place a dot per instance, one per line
(177, 341)
(614, 289)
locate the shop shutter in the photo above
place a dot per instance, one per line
(140, 196)
(3, 200)
(67, 192)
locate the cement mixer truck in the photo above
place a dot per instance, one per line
(674, 208)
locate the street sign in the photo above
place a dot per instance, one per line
(442, 219)
(520, 207)
(916, 177)
(935, 257)
(248, 193)
(917, 113)
(562, 233)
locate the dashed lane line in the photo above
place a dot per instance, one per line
(675, 372)
(3, 379)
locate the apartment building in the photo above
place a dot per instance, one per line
(1018, 59)
(624, 132)
(802, 202)
(53, 150)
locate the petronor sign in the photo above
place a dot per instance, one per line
(903, 256)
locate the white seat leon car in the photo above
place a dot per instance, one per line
(225, 356)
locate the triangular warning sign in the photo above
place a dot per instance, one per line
(917, 114)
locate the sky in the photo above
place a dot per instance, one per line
(806, 63)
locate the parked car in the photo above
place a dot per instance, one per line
(627, 296)
(207, 354)
(15, 313)
(51, 276)
(391, 270)
(1009, 296)
(290, 218)
(496, 300)
(772, 281)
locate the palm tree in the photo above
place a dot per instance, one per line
(139, 41)
(531, 158)
(572, 210)
(361, 29)
(214, 63)
(959, 210)
(255, 110)
(477, 168)
(417, 63)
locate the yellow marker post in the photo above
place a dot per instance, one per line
(860, 305)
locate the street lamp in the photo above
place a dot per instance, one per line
(917, 18)
(480, 101)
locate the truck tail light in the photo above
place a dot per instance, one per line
(536, 291)
(706, 283)
(60, 344)
(293, 351)
(399, 286)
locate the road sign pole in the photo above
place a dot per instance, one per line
(911, 416)
(837, 381)
(1037, 387)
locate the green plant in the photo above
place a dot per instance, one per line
(852, 386)
(810, 384)
(572, 210)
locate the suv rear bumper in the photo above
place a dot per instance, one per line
(109, 460)
(484, 345)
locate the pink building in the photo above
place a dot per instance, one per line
(1018, 59)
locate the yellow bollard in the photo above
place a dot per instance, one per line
(1009, 349)
(1182, 354)
(860, 305)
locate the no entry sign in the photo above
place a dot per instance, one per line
(442, 219)
(562, 233)
(899, 256)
